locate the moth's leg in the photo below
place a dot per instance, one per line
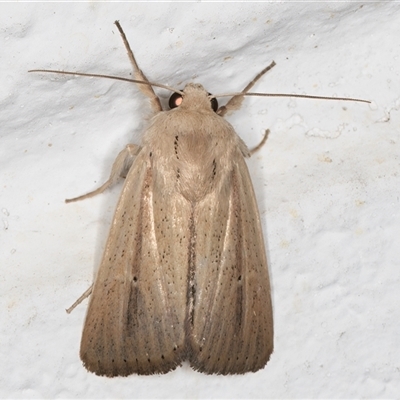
(87, 293)
(147, 90)
(236, 101)
(120, 168)
(261, 144)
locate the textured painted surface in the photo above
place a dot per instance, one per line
(327, 183)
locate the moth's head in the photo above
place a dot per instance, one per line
(194, 97)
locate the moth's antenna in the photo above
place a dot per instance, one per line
(118, 78)
(302, 96)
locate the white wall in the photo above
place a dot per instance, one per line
(327, 182)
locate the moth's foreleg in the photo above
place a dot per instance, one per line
(120, 168)
(147, 90)
(236, 101)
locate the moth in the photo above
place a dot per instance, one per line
(184, 273)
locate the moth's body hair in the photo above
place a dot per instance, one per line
(184, 273)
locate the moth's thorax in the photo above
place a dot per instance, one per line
(192, 148)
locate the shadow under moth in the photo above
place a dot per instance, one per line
(184, 272)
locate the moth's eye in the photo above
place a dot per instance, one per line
(175, 100)
(214, 103)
